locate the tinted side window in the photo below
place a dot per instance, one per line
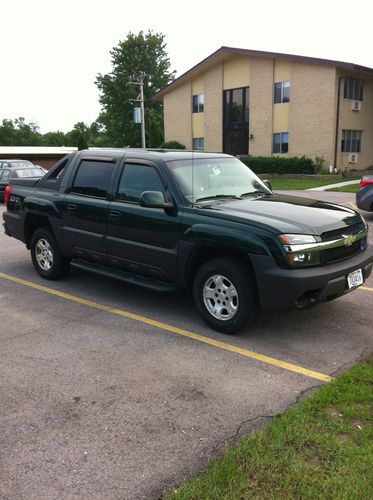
(93, 178)
(136, 179)
(6, 175)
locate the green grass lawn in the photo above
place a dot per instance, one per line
(321, 449)
(284, 183)
(354, 188)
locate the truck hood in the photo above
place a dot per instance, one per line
(285, 214)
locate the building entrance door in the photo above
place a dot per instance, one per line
(236, 121)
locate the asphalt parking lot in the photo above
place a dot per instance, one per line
(111, 391)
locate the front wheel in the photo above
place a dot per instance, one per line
(223, 292)
(46, 256)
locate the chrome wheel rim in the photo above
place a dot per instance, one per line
(220, 297)
(44, 254)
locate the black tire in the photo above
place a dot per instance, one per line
(242, 303)
(52, 265)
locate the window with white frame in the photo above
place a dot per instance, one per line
(281, 92)
(280, 142)
(351, 141)
(198, 143)
(198, 103)
(353, 88)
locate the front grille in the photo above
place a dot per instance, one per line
(339, 253)
(336, 234)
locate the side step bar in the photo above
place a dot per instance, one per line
(126, 277)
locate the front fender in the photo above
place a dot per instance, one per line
(235, 237)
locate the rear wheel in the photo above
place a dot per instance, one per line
(223, 292)
(46, 256)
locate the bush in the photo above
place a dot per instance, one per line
(279, 165)
(171, 145)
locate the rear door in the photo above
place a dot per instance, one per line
(84, 209)
(141, 239)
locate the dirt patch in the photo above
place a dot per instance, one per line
(315, 462)
(334, 412)
(343, 438)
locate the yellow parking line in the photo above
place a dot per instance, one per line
(352, 205)
(367, 289)
(173, 329)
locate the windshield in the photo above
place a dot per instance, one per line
(207, 178)
(30, 172)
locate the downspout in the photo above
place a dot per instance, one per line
(337, 121)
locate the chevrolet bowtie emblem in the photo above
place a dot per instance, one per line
(351, 238)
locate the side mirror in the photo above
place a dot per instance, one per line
(268, 184)
(154, 199)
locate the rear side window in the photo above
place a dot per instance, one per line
(93, 178)
(136, 179)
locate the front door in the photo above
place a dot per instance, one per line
(141, 239)
(236, 121)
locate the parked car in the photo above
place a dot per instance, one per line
(201, 222)
(15, 163)
(364, 197)
(41, 168)
(14, 172)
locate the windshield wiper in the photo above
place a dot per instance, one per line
(215, 196)
(250, 193)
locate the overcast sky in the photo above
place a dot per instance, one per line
(51, 51)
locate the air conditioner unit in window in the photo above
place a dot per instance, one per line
(356, 105)
(353, 157)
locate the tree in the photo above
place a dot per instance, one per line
(19, 133)
(78, 136)
(146, 53)
(57, 138)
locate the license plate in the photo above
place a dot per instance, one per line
(355, 278)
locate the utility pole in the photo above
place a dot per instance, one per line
(140, 82)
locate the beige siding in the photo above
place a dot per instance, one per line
(357, 120)
(312, 111)
(260, 121)
(198, 86)
(236, 73)
(281, 117)
(213, 115)
(178, 115)
(198, 124)
(282, 71)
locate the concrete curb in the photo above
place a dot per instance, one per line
(330, 186)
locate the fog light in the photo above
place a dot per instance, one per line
(300, 257)
(303, 258)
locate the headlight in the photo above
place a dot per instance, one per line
(365, 222)
(300, 249)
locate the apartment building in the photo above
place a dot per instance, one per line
(242, 101)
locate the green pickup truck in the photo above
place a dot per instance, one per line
(196, 221)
